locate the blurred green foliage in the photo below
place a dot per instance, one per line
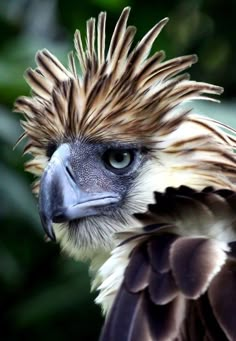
(45, 295)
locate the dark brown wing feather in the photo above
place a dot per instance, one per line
(193, 260)
(138, 271)
(178, 287)
(222, 296)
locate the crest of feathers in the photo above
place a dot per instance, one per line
(123, 95)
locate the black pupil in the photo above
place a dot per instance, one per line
(119, 156)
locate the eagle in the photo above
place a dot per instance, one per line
(129, 178)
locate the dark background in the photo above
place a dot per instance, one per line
(45, 295)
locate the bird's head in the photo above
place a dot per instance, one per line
(104, 140)
(89, 190)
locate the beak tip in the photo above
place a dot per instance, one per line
(52, 236)
(48, 228)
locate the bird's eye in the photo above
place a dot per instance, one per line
(118, 159)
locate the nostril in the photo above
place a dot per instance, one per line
(70, 172)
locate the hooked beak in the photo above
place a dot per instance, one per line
(61, 199)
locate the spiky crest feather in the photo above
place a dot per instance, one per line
(126, 96)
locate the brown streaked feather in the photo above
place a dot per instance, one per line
(71, 62)
(143, 48)
(41, 86)
(225, 126)
(149, 67)
(51, 67)
(101, 36)
(118, 35)
(80, 50)
(73, 108)
(33, 164)
(21, 138)
(90, 38)
(170, 68)
(35, 187)
(215, 129)
(118, 59)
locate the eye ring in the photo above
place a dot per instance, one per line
(118, 159)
